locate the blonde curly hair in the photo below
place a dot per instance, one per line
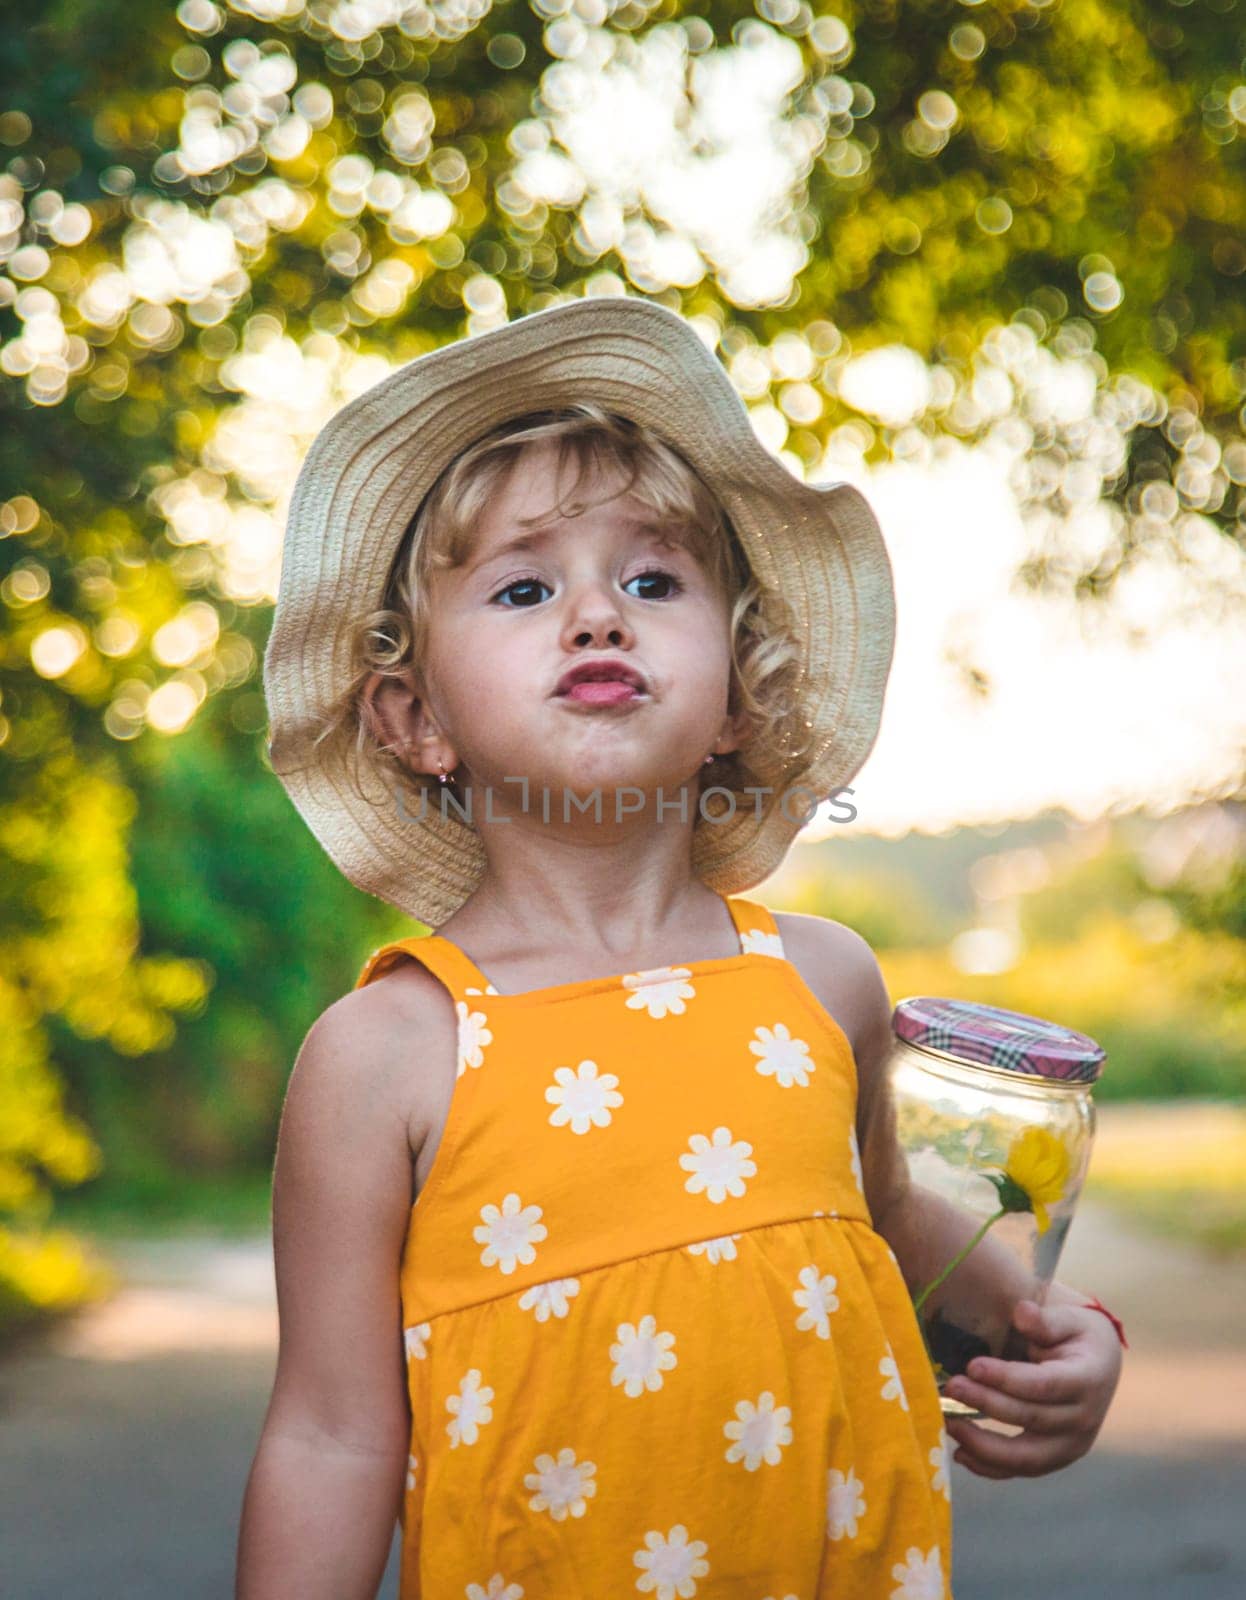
(765, 653)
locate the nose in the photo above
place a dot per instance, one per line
(594, 617)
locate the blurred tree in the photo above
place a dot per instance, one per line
(1081, 890)
(890, 910)
(219, 221)
(1213, 903)
(225, 875)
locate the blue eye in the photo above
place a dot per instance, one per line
(641, 577)
(663, 576)
(521, 583)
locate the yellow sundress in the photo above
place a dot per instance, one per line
(654, 1344)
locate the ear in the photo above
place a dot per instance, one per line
(732, 734)
(392, 706)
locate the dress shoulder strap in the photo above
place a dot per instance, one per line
(441, 956)
(759, 932)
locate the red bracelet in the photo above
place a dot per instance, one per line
(1096, 1305)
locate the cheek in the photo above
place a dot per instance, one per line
(703, 656)
(483, 656)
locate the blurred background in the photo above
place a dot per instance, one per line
(985, 261)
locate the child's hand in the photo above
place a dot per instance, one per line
(1059, 1398)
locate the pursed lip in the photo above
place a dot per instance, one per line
(603, 670)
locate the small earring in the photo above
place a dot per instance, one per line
(708, 759)
(442, 765)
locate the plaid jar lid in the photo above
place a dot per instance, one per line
(1010, 1041)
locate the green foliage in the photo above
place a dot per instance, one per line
(1217, 903)
(1167, 1062)
(226, 872)
(229, 887)
(69, 969)
(1079, 891)
(888, 909)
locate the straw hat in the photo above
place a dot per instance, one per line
(374, 461)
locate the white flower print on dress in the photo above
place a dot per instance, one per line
(412, 1468)
(671, 1563)
(549, 1299)
(714, 1250)
(893, 1389)
(473, 1037)
(641, 1356)
(817, 1296)
(469, 1408)
(845, 1504)
(415, 1340)
(659, 990)
(496, 1589)
(509, 1235)
(854, 1150)
(757, 942)
(782, 1057)
(489, 990)
(718, 1166)
(920, 1577)
(760, 1432)
(940, 1478)
(582, 1097)
(562, 1487)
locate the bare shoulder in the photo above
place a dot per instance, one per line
(351, 1079)
(402, 1031)
(387, 1009)
(843, 972)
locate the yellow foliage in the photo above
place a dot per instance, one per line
(34, 1126)
(1110, 970)
(51, 1270)
(78, 961)
(72, 956)
(906, 301)
(171, 981)
(1188, 1147)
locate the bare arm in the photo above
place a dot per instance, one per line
(326, 1483)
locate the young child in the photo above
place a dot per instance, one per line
(591, 1227)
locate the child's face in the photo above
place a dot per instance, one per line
(509, 623)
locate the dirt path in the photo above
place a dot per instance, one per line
(126, 1438)
(1153, 1512)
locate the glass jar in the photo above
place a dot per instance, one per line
(994, 1114)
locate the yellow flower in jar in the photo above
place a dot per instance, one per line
(1035, 1173)
(1038, 1167)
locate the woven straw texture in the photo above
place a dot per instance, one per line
(376, 458)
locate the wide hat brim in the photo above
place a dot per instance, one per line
(373, 462)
